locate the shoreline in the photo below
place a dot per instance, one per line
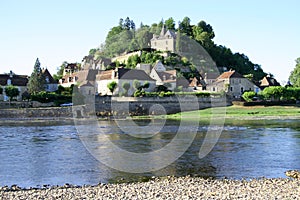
(167, 187)
(43, 121)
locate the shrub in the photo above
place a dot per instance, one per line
(112, 86)
(11, 91)
(139, 93)
(248, 96)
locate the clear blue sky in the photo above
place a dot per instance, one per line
(268, 32)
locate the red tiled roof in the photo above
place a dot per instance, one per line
(230, 74)
(105, 75)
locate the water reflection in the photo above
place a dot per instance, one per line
(54, 155)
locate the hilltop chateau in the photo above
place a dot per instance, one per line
(166, 41)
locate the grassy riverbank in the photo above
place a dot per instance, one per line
(234, 114)
(242, 112)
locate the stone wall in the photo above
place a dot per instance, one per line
(118, 106)
(51, 112)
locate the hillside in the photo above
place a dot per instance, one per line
(184, 57)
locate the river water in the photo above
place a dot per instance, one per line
(33, 156)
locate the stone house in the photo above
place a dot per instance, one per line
(121, 76)
(163, 76)
(166, 41)
(233, 83)
(19, 81)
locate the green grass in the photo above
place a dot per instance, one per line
(241, 112)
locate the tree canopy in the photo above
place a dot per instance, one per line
(295, 74)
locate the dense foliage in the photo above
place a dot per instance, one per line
(1, 90)
(277, 93)
(46, 97)
(249, 95)
(126, 37)
(295, 74)
(11, 91)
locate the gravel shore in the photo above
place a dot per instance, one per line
(168, 188)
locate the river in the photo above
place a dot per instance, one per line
(32, 156)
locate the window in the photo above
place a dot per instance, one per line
(8, 81)
(167, 42)
(214, 89)
(231, 89)
(242, 89)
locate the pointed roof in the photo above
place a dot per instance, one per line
(171, 34)
(159, 66)
(269, 81)
(163, 31)
(46, 73)
(230, 74)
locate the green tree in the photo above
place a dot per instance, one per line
(170, 24)
(185, 26)
(36, 81)
(112, 86)
(143, 37)
(11, 91)
(273, 93)
(295, 74)
(60, 71)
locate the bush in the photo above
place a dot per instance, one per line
(280, 93)
(47, 97)
(248, 96)
(139, 93)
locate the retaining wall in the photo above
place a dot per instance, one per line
(119, 106)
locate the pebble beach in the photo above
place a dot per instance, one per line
(167, 188)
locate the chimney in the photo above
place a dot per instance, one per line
(10, 74)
